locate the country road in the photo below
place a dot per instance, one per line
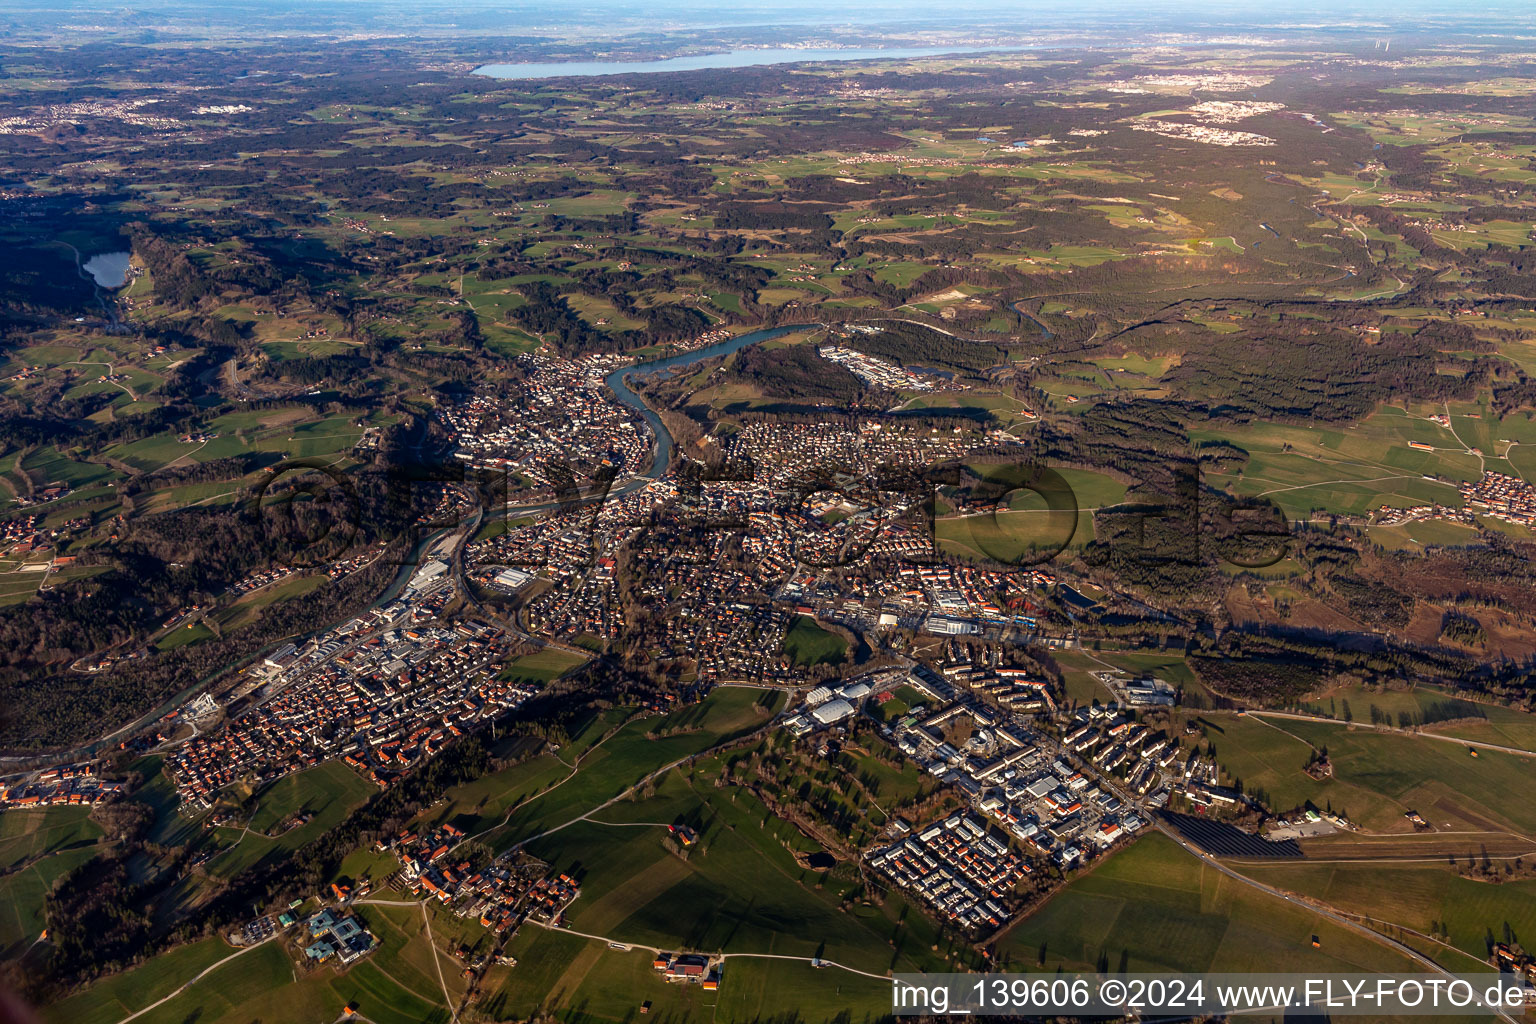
(1316, 908)
(722, 956)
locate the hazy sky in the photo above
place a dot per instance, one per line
(596, 20)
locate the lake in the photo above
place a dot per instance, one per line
(109, 269)
(729, 59)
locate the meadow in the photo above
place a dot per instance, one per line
(1154, 907)
(1378, 776)
(739, 888)
(569, 976)
(327, 792)
(638, 748)
(1430, 899)
(808, 644)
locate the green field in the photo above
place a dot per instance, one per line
(327, 792)
(567, 975)
(1424, 898)
(23, 893)
(27, 834)
(1486, 723)
(807, 644)
(263, 984)
(740, 888)
(542, 666)
(1438, 779)
(1378, 776)
(1032, 524)
(116, 997)
(1354, 470)
(478, 805)
(637, 749)
(1153, 907)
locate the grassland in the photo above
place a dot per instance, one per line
(1430, 899)
(1032, 525)
(740, 888)
(569, 976)
(28, 834)
(807, 644)
(1154, 907)
(327, 792)
(1378, 776)
(542, 666)
(637, 749)
(118, 996)
(23, 893)
(1354, 471)
(1486, 723)
(263, 984)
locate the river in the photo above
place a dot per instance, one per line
(621, 390)
(729, 59)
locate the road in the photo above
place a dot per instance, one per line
(1482, 466)
(1294, 716)
(722, 956)
(1316, 908)
(198, 977)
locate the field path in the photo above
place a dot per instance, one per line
(1517, 751)
(648, 777)
(437, 961)
(198, 977)
(722, 956)
(1451, 426)
(1316, 907)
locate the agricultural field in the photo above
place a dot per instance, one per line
(636, 750)
(1378, 776)
(1153, 907)
(1432, 900)
(325, 794)
(561, 972)
(634, 889)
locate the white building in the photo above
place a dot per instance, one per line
(833, 712)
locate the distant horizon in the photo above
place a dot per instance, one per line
(636, 22)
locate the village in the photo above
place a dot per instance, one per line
(65, 786)
(1496, 495)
